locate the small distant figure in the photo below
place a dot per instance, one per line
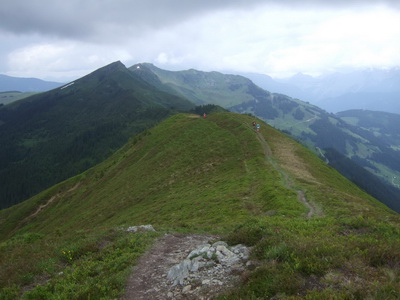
(204, 115)
(254, 124)
(258, 127)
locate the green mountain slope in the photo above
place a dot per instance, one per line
(320, 130)
(51, 136)
(307, 123)
(315, 234)
(197, 86)
(385, 129)
(11, 96)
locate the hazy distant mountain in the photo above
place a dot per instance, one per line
(371, 89)
(8, 83)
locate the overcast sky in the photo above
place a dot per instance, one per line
(62, 40)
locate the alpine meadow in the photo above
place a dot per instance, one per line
(127, 147)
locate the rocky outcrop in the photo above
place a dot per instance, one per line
(208, 268)
(214, 259)
(188, 267)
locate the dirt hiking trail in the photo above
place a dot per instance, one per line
(149, 278)
(287, 180)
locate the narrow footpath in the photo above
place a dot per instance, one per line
(288, 182)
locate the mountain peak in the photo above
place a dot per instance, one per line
(113, 66)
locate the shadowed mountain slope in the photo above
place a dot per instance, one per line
(51, 136)
(315, 234)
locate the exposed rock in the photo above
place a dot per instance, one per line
(213, 266)
(186, 289)
(140, 228)
(187, 267)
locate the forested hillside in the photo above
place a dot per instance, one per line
(49, 137)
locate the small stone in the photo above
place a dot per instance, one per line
(205, 282)
(220, 256)
(220, 243)
(220, 248)
(170, 295)
(211, 252)
(216, 281)
(186, 289)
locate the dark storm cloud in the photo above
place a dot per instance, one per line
(92, 19)
(83, 19)
(69, 38)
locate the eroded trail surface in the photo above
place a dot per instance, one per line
(287, 181)
(149, 279)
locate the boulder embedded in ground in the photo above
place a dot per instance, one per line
(209, 264)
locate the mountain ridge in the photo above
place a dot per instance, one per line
(9, 83)
(305, 122)
(371, 89)
(165, 89)
(198, 86)
(214, 175)
(77, 126)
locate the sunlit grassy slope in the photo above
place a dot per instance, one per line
(213, 175)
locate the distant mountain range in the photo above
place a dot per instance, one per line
(54, 135)
(371, 89)
(8, 83)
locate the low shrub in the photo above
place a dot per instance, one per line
(248, 233)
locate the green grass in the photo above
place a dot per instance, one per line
(208, 175)
(87, 267)
(202, 87)
(8, 97)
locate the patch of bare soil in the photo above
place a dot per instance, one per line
(302, 198)
(43, 206)
(288, 157)
(149, 278)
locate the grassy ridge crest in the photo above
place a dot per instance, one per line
(213, 175)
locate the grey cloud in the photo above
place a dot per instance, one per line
(92, 19)
(81, 19)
